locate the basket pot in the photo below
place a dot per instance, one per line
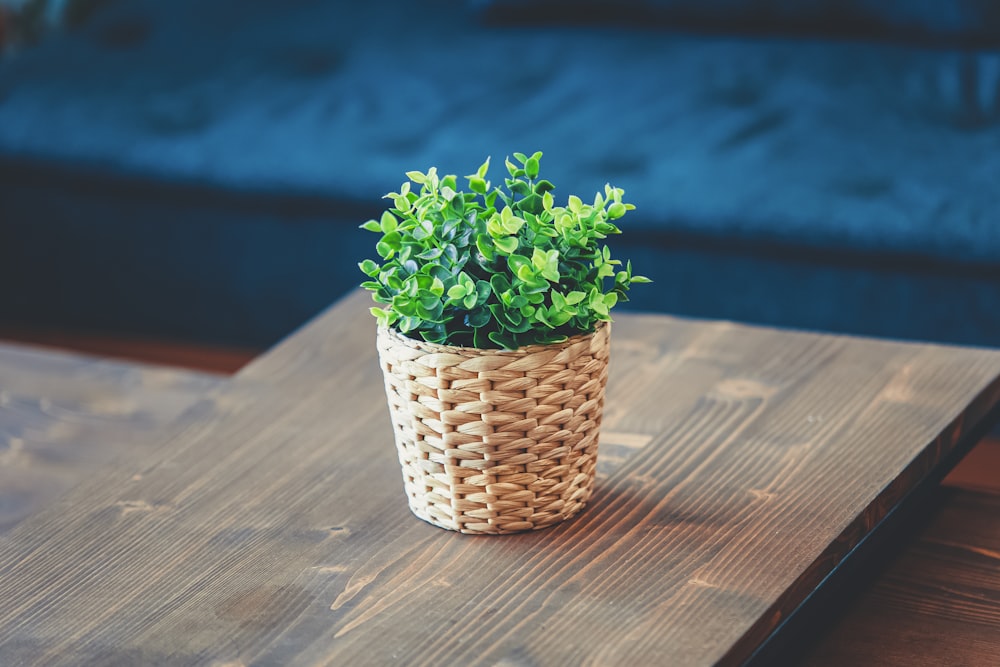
(496, 441)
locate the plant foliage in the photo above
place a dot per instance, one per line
(495, 267)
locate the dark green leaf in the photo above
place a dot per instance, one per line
(543, 186)
(482, 291)
(506, 341)
(481, 337)
(499, 283)
(441, 273)
(485, 246)
(531, 203)
(435, 334)
(478, 317)
(519, 187)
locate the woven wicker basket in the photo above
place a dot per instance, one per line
(496, 441)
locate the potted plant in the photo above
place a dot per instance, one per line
(493, 338)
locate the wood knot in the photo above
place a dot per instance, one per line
(131, 506)
(743, 389)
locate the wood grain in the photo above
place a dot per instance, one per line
(181, 354)
(937, 604)
(64, 416)
(980, 470)
(747, 464)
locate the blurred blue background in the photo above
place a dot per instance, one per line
(198, 170)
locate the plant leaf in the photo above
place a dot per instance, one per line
(531, 167)
(506, 245)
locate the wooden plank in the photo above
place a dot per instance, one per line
(937, 604)
(980, 470)
(749, 462)
(182, 354)
(64, 417)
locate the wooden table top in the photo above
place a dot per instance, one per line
(261, 520)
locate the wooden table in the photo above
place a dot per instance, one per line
(261, 520)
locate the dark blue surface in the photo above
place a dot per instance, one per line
(200, 169)
(939, 22)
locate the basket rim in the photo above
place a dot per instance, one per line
(399, 338)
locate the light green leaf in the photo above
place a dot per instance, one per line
(513, 224)
(477, 184)
(388, 222)
(506, 245)
(558, 301)
(616, 210)
(547, 201)
(538, 258)
(531, 167)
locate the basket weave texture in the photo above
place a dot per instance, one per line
(496, 441)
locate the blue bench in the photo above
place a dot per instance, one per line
(199, 169)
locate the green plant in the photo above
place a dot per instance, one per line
(501, 267)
